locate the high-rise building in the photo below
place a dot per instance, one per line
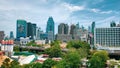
(34, 30)
(112, 24)
(29, 30)
(118, 25)
(77, 25)
(11, 35)
(89, 29)
(21, 29)
(72, 29)
(38, 33)
(92, 30)
(63, 28)
(107, 37)
(50, 28)
(93, 26)
(1, 36)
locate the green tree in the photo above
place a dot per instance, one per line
(82, 52)
(54, 51)
(6, 63)
(16, 48)
(78, 44)
(62, 64)
(56, 42)
(32, 65)
(98, 59)
(15, 64)
(49, 63)
(32, 43)
(73, 59)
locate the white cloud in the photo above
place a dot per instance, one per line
(95, 10)
(72, 8)
(100, 11)
(106, 12)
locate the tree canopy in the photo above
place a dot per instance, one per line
(98, 60)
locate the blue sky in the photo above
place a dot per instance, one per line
(62, 11)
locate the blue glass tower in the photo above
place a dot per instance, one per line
(50, 28)
(21, 29)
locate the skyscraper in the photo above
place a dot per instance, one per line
(1, 36)
(11, 35)
(29, 30)
(112, 24)
(50, 28)
(92, 30)
(21, 29)
(77, 25)
(63, 28)
(34, 30)
(72, 29)
(93, 26)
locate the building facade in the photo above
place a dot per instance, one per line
(50, 28)
(1, 36)
(72, 29)
(34, 26)
(21, 30)
(107, 37)
(63, 28)
(11, 35)
(112, 24)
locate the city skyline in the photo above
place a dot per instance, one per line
(62, 11)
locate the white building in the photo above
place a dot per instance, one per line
(24, 41)
(7, 47)
(107, 37)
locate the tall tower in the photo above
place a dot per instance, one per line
(112, 24)
(92, 30)
(72, 29)
(21, 29)
(50, 28)
(93, 26)
(63, 28)
(34, 26)
(11, 35)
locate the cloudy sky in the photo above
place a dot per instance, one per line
(66, 11)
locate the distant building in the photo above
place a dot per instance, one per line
(43, 36)
(76, 33)
(72, 29)
(93, 26)
(77, 26)
(24, 41)
(63, 28)
(89, 29)
(118, 25)
(34, 26)
(81, 35)
(112, 24)
(92, 32)
(1, 35)
(64, 37)
(7, 47)
(21, 29)
(107, 37)
(63, 34)
(38, 33)
(50, 28)
(29, 30)
(11, 35)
